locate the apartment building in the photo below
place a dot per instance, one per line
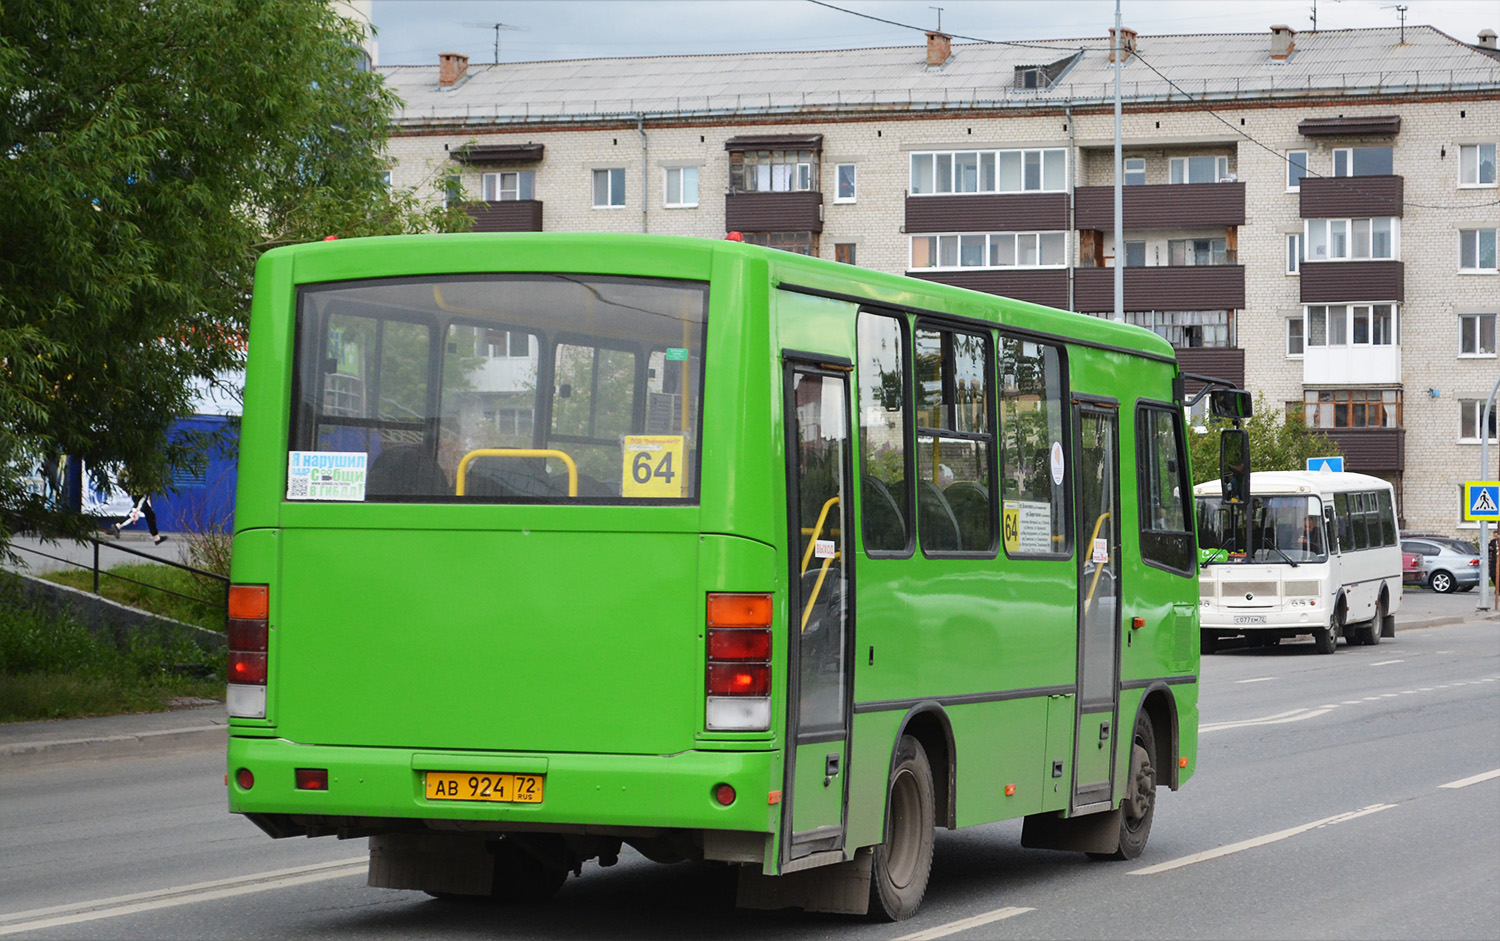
(1313, 215)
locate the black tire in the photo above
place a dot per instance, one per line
(1138, 806)
(1327, 637)
(1467, 588)
(903, 862)
(522, 877)
(1369, 634)
(1209, 642)
(1441, 582)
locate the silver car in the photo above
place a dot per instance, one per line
(1445, 564)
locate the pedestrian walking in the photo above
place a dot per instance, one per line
(1495, 559)
(141, 509)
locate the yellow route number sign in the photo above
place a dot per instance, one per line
(653, 466)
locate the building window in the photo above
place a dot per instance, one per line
(1363, 161)
(1351, 324)
(609, 188)
(1470, 412)
(1476, 334)
(1352, 408)
(989, 171)
(1346, 239)
(1476, 250)
(1135, 171)
(843, 252)
(681, 187)
(1197, 252)
(1199, 169)
(844, 177)
(1296, 169)
(507, 187)
(1135, 254)
(773, 171)
(385, 178)
(1294, 334)
(512, 344)
(451, 186)
(1476, 165)
(1294, 253)
(1184, 329)
(802, 243)
(995, 250)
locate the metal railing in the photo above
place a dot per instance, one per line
(221, 604)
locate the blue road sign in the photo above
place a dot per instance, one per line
(1482, 500)
(1334, 464)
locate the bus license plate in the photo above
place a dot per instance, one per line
(1249, 619)
(467, 786)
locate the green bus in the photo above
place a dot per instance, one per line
(547, 544)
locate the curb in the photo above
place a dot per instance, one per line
(28, 755)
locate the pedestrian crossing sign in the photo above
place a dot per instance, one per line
(1482, 500)
(1333, 464)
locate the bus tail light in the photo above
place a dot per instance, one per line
(738, 680)
(249, 640)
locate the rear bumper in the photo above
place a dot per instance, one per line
(580, 789)
(1222, 620)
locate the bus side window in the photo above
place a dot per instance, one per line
(1387, 519)
(1033, 474)
(1165, 539)
(1341, 512)
(885, 514)
(955, 441)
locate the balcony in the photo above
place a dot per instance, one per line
(511, 215)
(1191, 287)
(1047, 286)
(1335, 282)
(773, 212)
(1219, 362)
(1351, 365)
(1007, 212)
(1370, 450)
(1161, 206)
(1351, 197)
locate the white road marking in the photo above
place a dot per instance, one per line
(963, 924)
(1257, 841)
(1258, 679)
(180, 895)
(1465, 782)
(1296, 715)
(1381, 663)
(1351, 702)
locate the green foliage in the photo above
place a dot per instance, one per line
(52, 667)
(138, 586)
(1275, 443)
(151, 152)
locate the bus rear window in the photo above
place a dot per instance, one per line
(501, 388)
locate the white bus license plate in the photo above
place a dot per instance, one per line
(1249, 619)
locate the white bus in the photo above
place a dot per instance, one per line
(1324, 559)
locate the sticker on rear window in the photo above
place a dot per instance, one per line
(326, 475)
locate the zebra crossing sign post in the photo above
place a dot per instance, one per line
(1482, 500)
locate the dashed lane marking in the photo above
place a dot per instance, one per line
(964, 924)
(1465, 782)
(1258, 841)
(1258, 679)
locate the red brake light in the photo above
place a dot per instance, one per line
(735, 679)
(248, 635)
(248, 669)
(740, 644)
(312, 779)
(244, 779)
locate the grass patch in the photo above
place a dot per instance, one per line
(209, 612)
(53, 668)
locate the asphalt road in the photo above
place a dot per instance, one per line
(1347, 796)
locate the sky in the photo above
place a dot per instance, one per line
(413, 32)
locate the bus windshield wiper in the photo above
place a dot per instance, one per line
(1283, 554)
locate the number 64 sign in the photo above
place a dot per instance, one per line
(653, 466)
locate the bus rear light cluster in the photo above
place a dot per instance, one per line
(249, 642)
(738, 682)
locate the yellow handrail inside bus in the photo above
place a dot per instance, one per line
(1100, 570)
(463, 465)
(817, 530)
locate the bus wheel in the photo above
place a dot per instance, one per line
(1369, 634)
(1138, 808)
(904, 861)
(523, 876)
(1327, 637)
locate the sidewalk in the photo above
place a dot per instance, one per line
(25, 745)
(33, 552)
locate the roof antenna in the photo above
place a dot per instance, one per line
(940, 17)
(497, 27)
(1401, 9)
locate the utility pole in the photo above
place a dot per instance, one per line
(1118, 46)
